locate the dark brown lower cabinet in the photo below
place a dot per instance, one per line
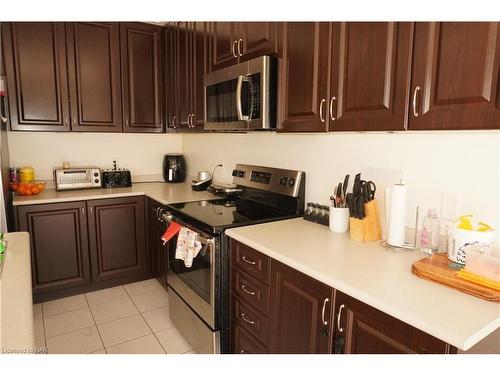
(117, 237)
(362, 329)
(243, 342)
(301, 312)
(59, 245)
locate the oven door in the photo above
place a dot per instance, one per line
(195, 284)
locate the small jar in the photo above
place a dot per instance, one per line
(27, 174)
(309, 209)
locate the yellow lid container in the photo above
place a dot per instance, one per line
(27, 174)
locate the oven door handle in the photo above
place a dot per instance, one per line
(169, 218)
(239, 110)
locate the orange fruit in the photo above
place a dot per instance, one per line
(21, 189)
(28, 191)
(35, 190)
(39, 186)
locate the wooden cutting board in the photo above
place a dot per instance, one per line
(437, 268)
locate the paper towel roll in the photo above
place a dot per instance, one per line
(397, 218)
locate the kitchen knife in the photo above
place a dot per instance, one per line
(360, 208)
(344, 187)
(356, 189)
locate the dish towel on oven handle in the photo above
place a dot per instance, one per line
(188, 246)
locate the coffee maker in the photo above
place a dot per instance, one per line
(174, 168)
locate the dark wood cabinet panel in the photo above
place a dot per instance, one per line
(257, 39)
(35, 58)
(157, 253)
(243, 342)
(301, 312)
(141, 77)
(59, 259)
(251, 261)
(250, 290)
(183, 74)
(455, 76)
(366, 330)
(117, 237)
(304, 77)
(253, 321)
(199, 32)
(224, 44)
(369, 75)
(171, 97)
(94, 76)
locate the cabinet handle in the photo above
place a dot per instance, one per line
(91, 210)
(325, 322)
(192, 121)
(334, 98)
(339, 328)
(173, 122)
(234, 50)
(246, 319)
(244, 288)
(158, 213)
(252, 262)
(66, 120)
(240, 43)
(126, 121)
(415, 94)
(242, 352)
(321, 117)
(188, 121)
(82, 213)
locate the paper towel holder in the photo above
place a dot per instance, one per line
(405, 246)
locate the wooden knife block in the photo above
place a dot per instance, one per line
(367, 229)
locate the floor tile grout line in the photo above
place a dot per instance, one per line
(96, 327)
(140, 337)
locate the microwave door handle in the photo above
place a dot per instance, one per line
(238, 99)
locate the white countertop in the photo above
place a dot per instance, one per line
(159, 191)
(16, 300)
(376, 276)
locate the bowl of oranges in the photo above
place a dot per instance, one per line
(28, 188)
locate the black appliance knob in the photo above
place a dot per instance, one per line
(241, 173)
(96, 174)
(96, 180)
(283, 180)
(235, 172)
(291, 182)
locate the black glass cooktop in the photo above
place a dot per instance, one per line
(225, 213)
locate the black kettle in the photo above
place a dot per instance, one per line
(174, 168)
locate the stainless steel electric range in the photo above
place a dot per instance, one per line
(199, 298)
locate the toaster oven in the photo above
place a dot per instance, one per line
(77, 178)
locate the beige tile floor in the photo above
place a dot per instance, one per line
(127, 319)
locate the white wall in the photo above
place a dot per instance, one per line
(141, 153)
(467, 163)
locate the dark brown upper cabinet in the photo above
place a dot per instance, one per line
(303, 77)
(35, 63)
(455, 76)
(117, 239)
(142, 77)
(234, 42)
(58, 260)
(170, 81)
(362, 329)
(189, 51)
(301, 313)
(94, 76)
(369, 76)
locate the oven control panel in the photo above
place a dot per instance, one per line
(283, 181)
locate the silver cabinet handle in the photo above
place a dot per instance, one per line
(173, 122)
(242, 352)
(158, 213)
(334, 98)
(244, 288)
(339, 328)
(252, 262)
(91, 210)
(126, 121)
(189, 121)
(234, 50)
(325, 322)
(240, 43)
(82, 213)
(415, 93)
(192, 121)
(246, 319)
(66, 120)
(321, 117)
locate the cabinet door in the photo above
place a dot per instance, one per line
(455, 76)
(35, 63)
(365, 330)
(301, 312)
(304, 77)
(59, 259)
(183, 74)
(200, 67)
(224, 44)
(117, 237)
(369, 76)
(156, 251)
(257, 39)
(170, 91)
(94, 76)
(142, 77)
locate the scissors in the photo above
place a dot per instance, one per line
(368, 188)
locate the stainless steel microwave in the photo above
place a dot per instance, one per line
(242, 97)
